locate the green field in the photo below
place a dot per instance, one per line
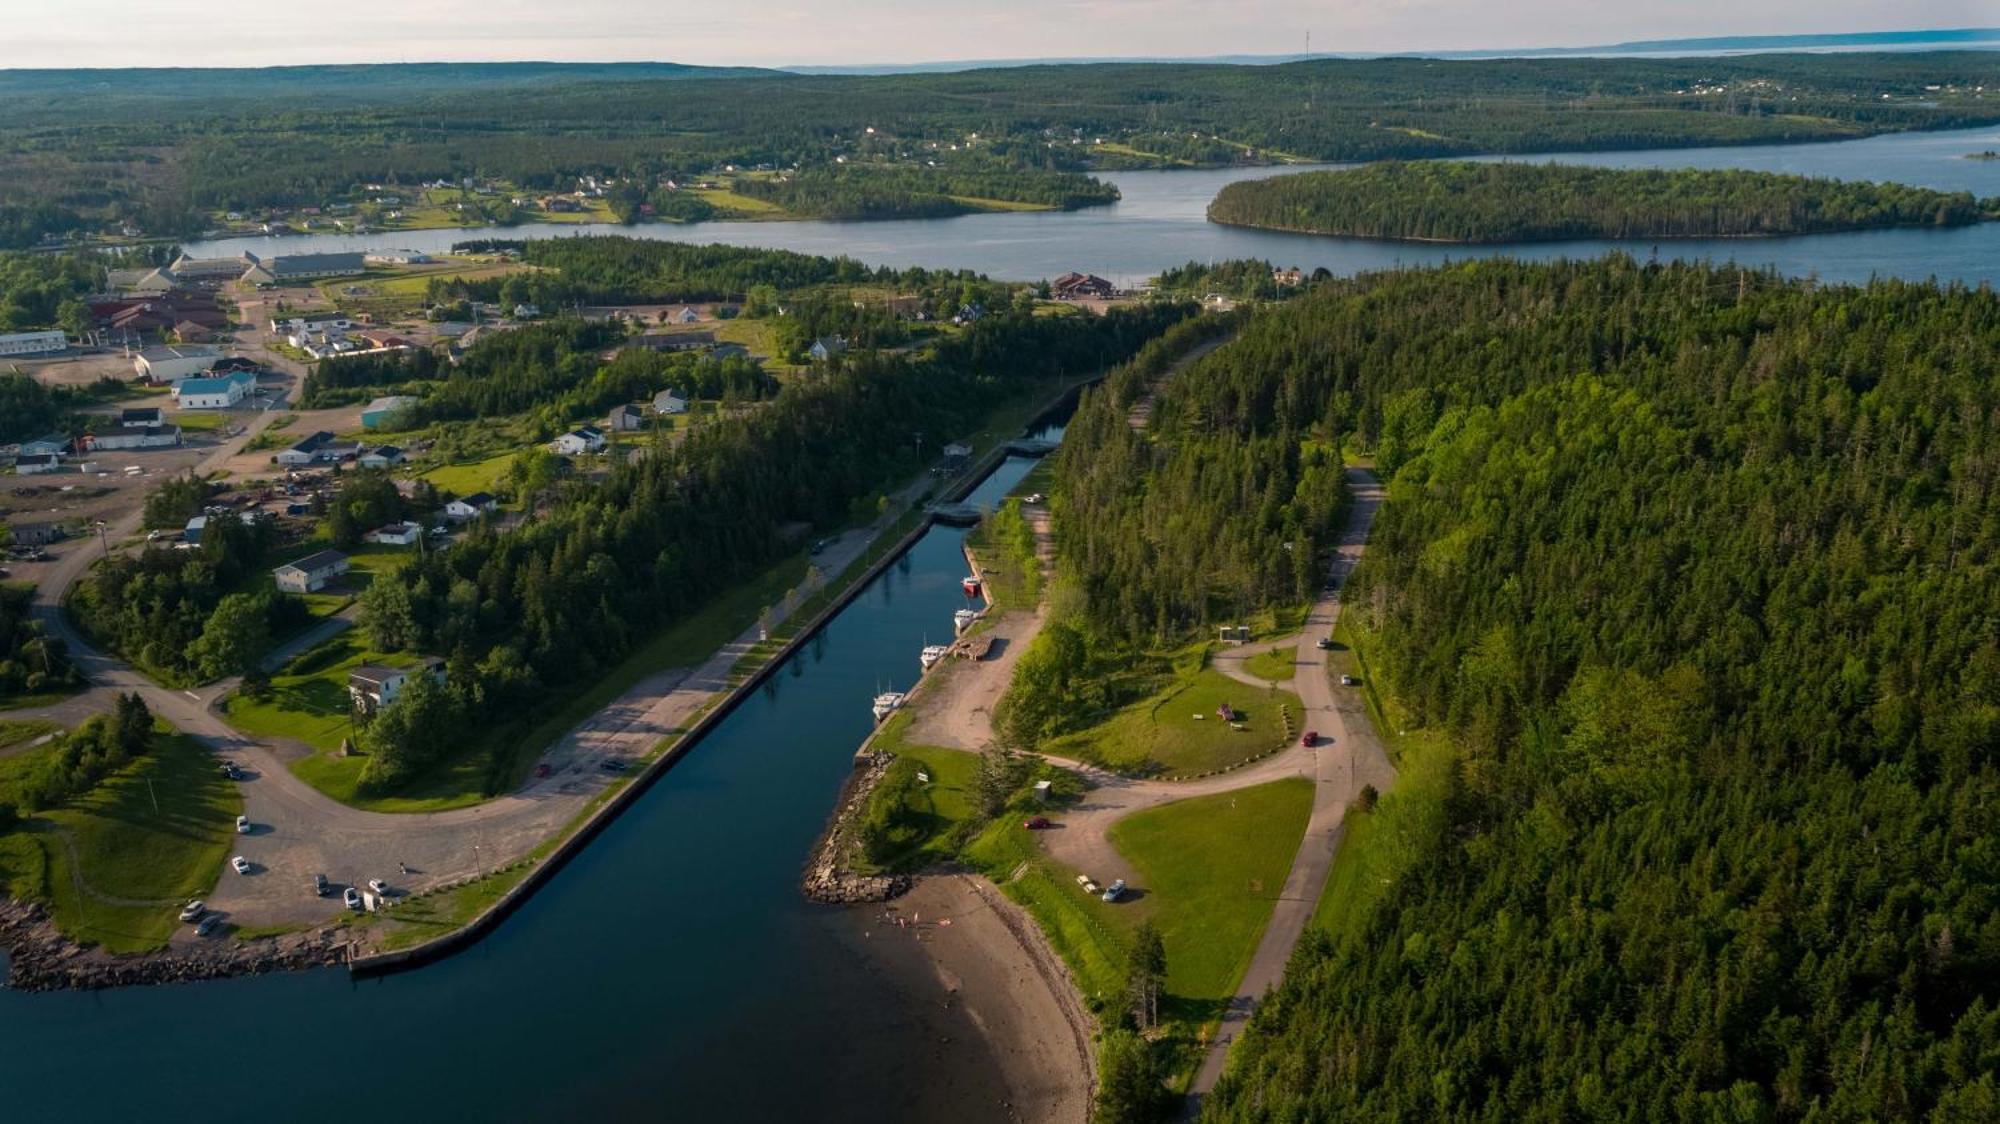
(471, 476)
(1209, 872)
(128, 862)
(1177, 731)
(1278, 664)
(14, 733)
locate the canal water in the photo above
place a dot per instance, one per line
(671, 972)
(1161, 222)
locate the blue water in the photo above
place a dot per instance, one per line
(672, 971)
(1161, 222)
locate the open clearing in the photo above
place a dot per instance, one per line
(1180, 730)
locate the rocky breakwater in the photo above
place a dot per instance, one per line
(40, 958)
(828, 878)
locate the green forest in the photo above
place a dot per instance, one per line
(1463, 201)
(1695, 571)
(166, 150)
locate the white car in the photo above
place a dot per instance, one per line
(240, 864)
(193, 909)
(243, 825)
(351, 898)
(377, 885)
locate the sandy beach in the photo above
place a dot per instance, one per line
(995, 969)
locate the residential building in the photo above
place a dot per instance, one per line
(373, 686)
(669, 402)
(34, 464)
(383, 410)
(218, 393)
(32, 343)
(625, 419)
(303, 267)
(1079, 286)
(311, 573)
(305, 450)
(674, 341)
(827, 348)
(134, 437)
(969, 313)
(587, 439)
(312, 322)
(36, 534)
(48, 444)
(470, 507)
(381, 456)
(396, 534)
(687, 315)
(171, 364)
(142, 415)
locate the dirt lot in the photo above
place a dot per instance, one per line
(75, 369)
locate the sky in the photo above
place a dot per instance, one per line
(67, 33)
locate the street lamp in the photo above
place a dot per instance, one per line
(105, 542)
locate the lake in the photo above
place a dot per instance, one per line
(1161, 222)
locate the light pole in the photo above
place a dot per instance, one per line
(102, 540)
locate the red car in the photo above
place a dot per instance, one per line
(1310, 739)
(1036, 823)
(542, 770)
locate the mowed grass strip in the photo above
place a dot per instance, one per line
(158, 830)
(1277, 665)
(1210, 869)
(1179, 730)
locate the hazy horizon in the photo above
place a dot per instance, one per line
(780, 33)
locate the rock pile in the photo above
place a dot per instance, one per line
(826, 880)
(42, 959)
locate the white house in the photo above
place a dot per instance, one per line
(826, 348)
(136, 437)
(168, 364)
(669, 402)
(470, 507)
(588, 439)
(373, 686)
(395, 534)
(32, 343)
(33, 464)
(381, 456)
(311, 573)
(218, 393)
(687, 315)
(305, 450)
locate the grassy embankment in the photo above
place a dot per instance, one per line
(115, 864)
(1176, 730)
(1277, 665)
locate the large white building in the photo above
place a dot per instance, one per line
(167, 364)
(32, 343)
(218, 393)
(302, 267)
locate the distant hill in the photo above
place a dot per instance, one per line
(370, 80)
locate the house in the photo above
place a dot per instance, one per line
(373, 686)
(587, 439)
(384, 341)
(170, 364)
(312, 322)
(32, 343)
(1080, 286)
(687, 315)
(470, 507)
(669, 402)
(305, 450)
(135, 437)
(382, 411)
(673, 341)
(395, 534)
(36, 534)
(827, 348)
(1287, 278)
(34, 464)
(311, 573)
(48, 444)
(193, 531)
(381, 456)
(626, 418)
(302, 267)
(218, 393)
(142, 415)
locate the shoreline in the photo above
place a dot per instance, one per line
(1418, 240)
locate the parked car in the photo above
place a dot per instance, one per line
(193, 909)
(377, 885)
(1036, 823)
(1349, 681)
(1115, 891)
(243, 825)
(229, 769)
(321, 887)
(542, 770)
(1310, 739)
(611, 765)
(351, 898)
(208, 925)
(1323, 643)
(240, 864)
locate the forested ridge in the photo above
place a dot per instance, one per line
(1464, 201)
(1699, 571)
(166, 150)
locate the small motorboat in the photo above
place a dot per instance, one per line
(932, 653)
(963, 619)
(970, 586)
(887, 703)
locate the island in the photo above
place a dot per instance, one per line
(1475, 202)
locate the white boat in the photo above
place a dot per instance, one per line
(932, 653)
(963, 618)
(887, 703)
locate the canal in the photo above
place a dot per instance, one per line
(672, 971)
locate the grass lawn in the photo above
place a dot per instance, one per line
(943, 808)
(1177, 731)
(1094, 939)
(15, 733)
(126, 847)
(1276, 664)
(471, 476)
(200, 421)
(1209, 872)
(1378, 846)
